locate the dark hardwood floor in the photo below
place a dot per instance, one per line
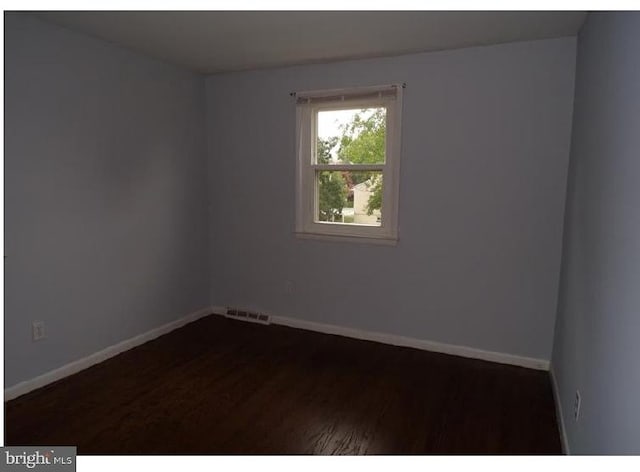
(219, 386)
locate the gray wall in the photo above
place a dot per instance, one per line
(486, 134)
(105, 194)
(596, 344)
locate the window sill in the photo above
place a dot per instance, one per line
(348, 239)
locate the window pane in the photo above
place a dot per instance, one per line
(349, 197)
(351, 136)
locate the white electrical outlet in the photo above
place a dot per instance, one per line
(288, 287)
(37, 330)
(576, 406)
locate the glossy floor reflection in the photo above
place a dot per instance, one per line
(219, 386)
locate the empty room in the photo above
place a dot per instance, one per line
(321, 233)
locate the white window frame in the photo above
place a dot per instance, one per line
(308, 106)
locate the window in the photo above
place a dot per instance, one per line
(348, 163)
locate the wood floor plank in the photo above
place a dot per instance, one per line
(218, 386)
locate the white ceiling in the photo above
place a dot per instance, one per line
(214, 42)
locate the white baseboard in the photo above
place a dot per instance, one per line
(396, 340)
(97, 357)
(76, 366)
(559, 416)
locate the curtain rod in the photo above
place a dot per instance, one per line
(293, 94)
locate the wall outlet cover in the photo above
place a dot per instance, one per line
(37, 330)
(576, 406)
